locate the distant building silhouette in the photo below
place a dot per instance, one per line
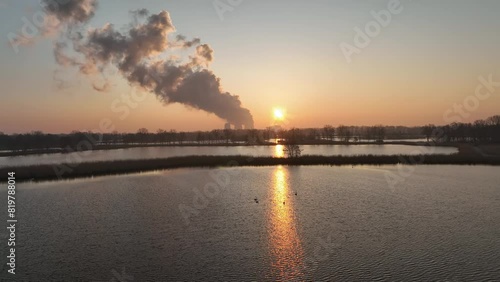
(235, 126)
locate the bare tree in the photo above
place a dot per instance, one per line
(292, 150)
(227, 135)
(379, 133)
(428, 131)
(329, 132)
(344, 133)
(493, 120)
(292, 138)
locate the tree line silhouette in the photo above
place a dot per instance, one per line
(480, 131)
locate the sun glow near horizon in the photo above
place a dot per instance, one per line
(278, 114)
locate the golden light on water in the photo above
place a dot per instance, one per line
(278, 151)
(285, 245)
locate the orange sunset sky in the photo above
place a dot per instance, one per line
(272, 54)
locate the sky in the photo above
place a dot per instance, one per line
(417, 68)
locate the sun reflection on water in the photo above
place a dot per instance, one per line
(285, 245)
(278, 151)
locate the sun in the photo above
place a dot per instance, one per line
(279, 114)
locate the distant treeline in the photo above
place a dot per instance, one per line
(481, 131)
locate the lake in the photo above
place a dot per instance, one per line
(177, 151)
(436, 223)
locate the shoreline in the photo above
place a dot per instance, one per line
(66, 171)
(118, 147)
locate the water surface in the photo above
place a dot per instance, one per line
(177, 151)
(438, 223)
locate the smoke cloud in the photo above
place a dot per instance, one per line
(54, 17)
(143, 56)
(70, 12)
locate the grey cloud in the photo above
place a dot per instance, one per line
(137, 54)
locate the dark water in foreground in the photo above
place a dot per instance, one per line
(344, 224)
